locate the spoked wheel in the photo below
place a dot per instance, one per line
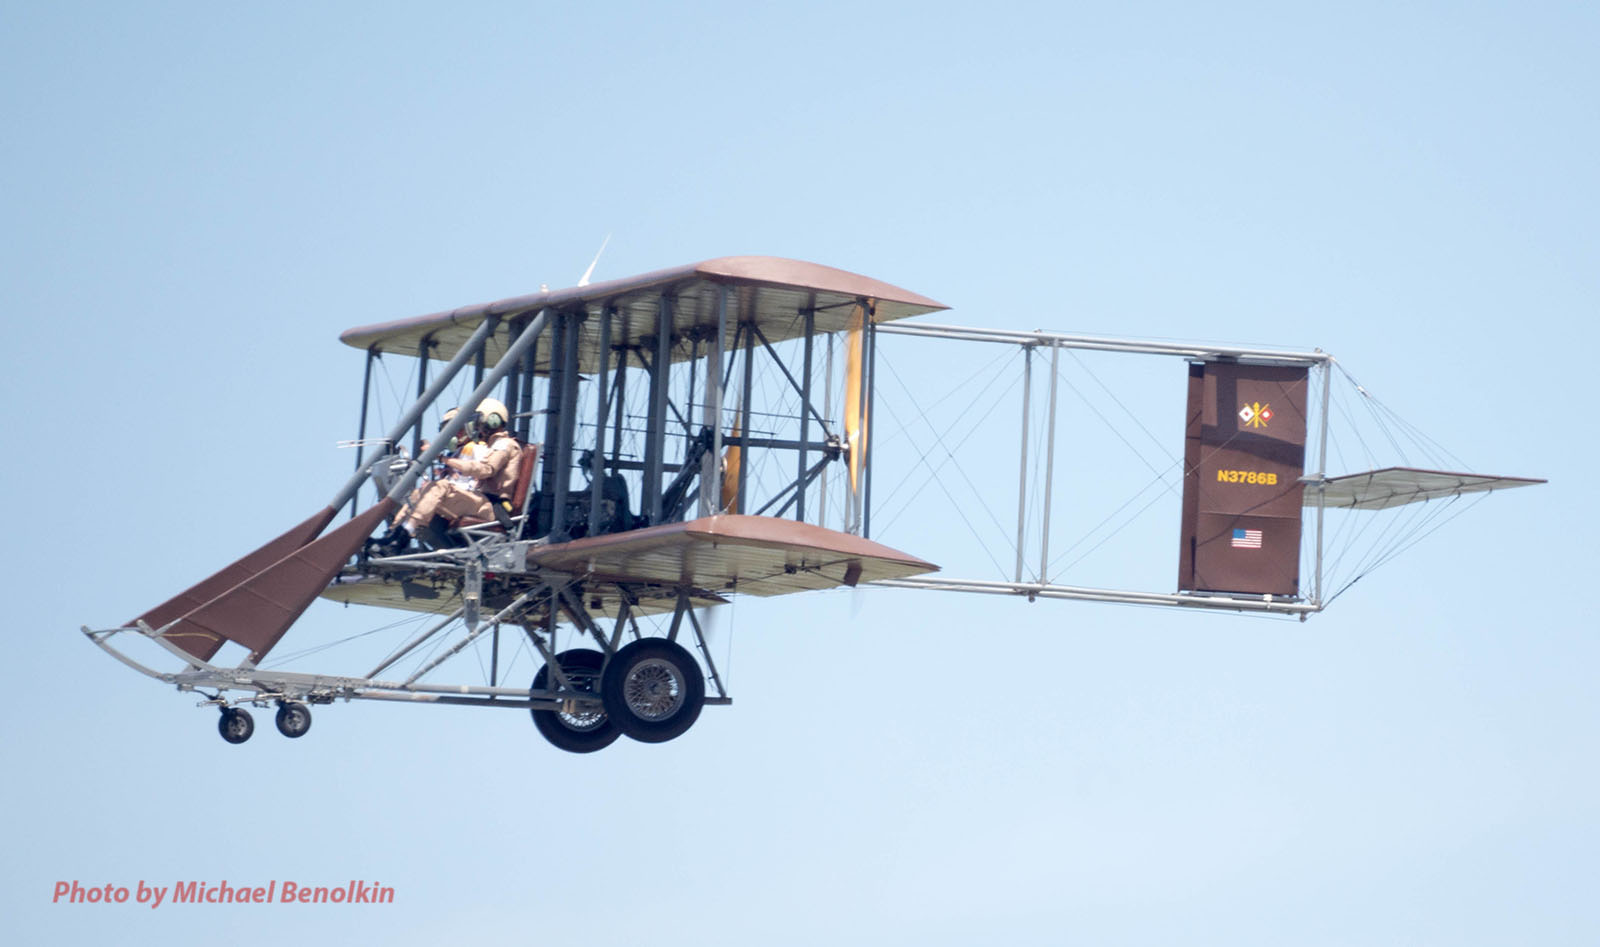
(294, 719)
(653, 690)
(583, 731)
(236, 725)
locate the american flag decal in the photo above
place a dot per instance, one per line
(1246, 539)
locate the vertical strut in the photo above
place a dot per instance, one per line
(656, 424)
(805, 411)
(744, 418)
(422, 387)
(1022, 473)
(1049, 467)
(1322, 476)
(827, 412)
(710, 482)
(871, 336)
(597, 461)
(361, 427)
(550, 513)
(529, 363)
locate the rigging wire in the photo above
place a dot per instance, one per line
(950, 456)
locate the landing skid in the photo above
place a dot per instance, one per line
(650, 688)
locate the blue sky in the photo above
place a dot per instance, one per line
(201, 198)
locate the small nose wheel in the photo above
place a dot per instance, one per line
(236, 725)
(294, 719)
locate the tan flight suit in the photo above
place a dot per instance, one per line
(486, 469)
(470, 449)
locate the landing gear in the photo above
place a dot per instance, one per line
(653, 690)
(582, 731)
(294, 719)
(236, 725)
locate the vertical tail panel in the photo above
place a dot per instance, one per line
(1241, 488)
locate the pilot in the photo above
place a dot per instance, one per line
(484, 472)
(461, 444)
(496, 463)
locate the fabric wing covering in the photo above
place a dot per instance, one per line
(1397, 486)
(769, 292)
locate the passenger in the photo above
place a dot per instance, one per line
(498, 460)
(481, 472)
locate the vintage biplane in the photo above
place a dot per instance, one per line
(655, 481)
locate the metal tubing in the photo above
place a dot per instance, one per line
(744, 415)
(1049, 466)
(866, 421)
(561, 456)
(525, 421)
(361, 427)
(805, 403)
(620, 399)
(1022, 472)
(656, 427)
(700, 639)
(790, 491)
(1116, 596)
(472, 636)
(597, 460)
(805, 418)
(1322, 478)
(413, 413)
(422, 386)
(550, 511)
(1191, 350)
(827, 409)
(775, 443)
(710, 465)
(411, 645)
(505, 364)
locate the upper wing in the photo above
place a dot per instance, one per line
(770, 292)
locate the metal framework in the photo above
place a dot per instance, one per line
(662, 340)
(1055, 342)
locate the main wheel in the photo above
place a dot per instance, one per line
(236, 725)
(294, 719)
(653, 690)
(584, 731)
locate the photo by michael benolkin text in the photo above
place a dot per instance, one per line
(222, 892)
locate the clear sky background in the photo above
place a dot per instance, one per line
(199, 197)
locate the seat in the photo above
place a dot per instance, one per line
(506, 508)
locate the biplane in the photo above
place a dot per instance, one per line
(638, 436)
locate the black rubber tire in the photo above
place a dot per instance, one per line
(294, 719)
(653, 690)
(582, 668)
(236, 725)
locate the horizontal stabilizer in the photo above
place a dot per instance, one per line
(1397, 486)
(205, 645)
(257, 612)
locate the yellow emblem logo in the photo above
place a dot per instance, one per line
(1255, 415)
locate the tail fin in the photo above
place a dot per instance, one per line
(1244, 455)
